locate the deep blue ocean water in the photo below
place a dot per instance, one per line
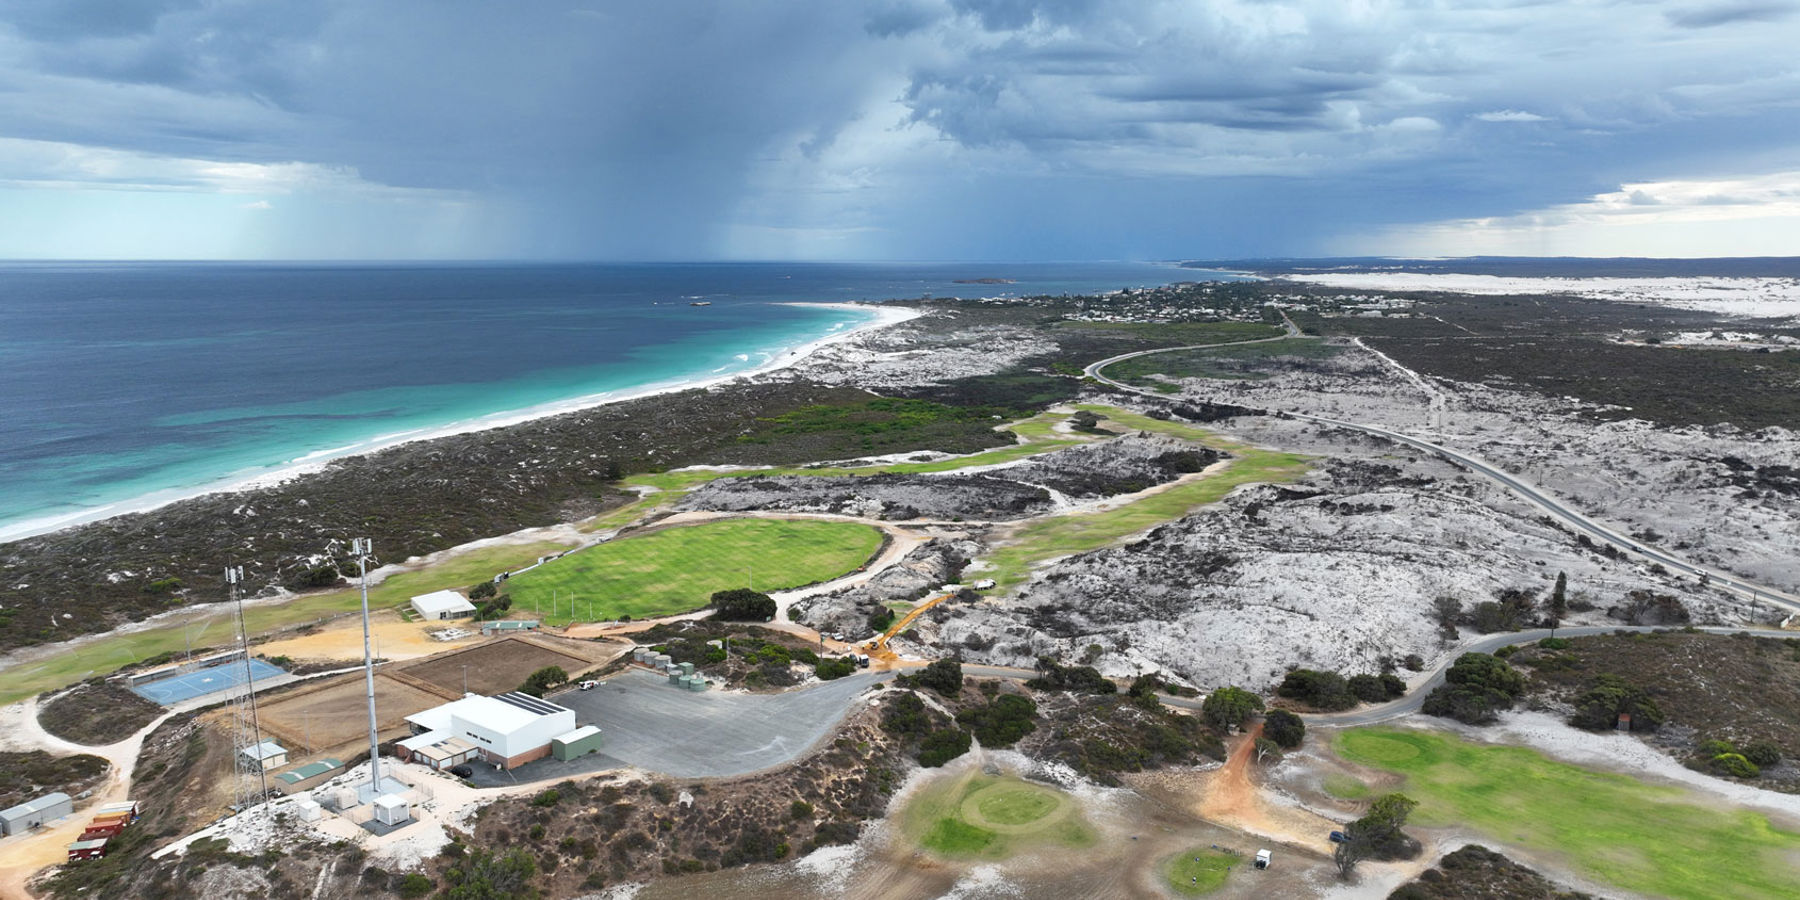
(127, 384)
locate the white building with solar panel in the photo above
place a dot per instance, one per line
(506, 730)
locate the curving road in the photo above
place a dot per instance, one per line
(1524, 490)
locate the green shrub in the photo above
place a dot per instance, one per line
(1735, 765)
(942, 746)
(1600, 706)
(1002, 722)
(743, 605)
(1763, 753)
(1081, 679)
(482, 591)
(543, 680)
(906, 716)
(944, 676)
(1229, 707)
(547, 798)
(831, 669)
(416, 885)
(1320, 690)
(1555, 643)
(1716, 747)
(1284, 728)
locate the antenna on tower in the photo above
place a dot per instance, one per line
(252, 783)
(363, 548)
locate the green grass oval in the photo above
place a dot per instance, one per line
(1017, 806)
(678, 569)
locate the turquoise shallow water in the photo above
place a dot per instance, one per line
(130, 384)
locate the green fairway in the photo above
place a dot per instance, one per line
(103, 656)
(1199, 871)
(1057, 536)
(1036, 431)
(678, 569)
(1214, 363)
(1655, 840)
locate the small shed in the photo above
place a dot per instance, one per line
(392, 809)
(130, 807)
(308, 776)
(308, 810)
(81, 850)
(580, 742)
(268, 755)
(32, 813)
(439, 605)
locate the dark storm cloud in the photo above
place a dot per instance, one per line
(897, 127)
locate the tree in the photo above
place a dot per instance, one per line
(906, 716)
(1320, 690)
(1488, 671)
(1378, 835)
(1367, 688)
(537, 683)
(944, 676)
(1230, 707)
(1599, 708)
(1267, 750)
(1081, 679)
(1284, 728)
(942, 746)
(1002, 722)
(1559, 601)
(743, 605)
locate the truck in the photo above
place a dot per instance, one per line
(1262, 859)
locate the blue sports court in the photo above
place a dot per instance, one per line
(199, 683)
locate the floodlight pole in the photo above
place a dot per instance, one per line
(233, 576)
(363, 547)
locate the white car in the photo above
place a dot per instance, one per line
(589, 685)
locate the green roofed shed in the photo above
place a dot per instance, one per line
(580, 742)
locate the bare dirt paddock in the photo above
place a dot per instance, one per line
(503, 664)
(332, 715)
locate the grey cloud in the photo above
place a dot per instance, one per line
(898, 18)
(1729, 13)
(64, 19)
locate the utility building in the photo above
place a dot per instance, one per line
(53, 806)
(440, 605)
(267, 756)
(506, 730)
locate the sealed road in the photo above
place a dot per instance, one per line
(647, 723)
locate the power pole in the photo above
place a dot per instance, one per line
(364, 548)
(251, 785)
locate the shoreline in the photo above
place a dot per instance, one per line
(315, 461)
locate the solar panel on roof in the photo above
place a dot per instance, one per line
(530, 704)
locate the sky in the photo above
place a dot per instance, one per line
(897, 129)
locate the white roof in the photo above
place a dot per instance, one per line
(390, 801)
(264, 750)
(442, 601)
(504, 714)
(434, 736)
(577, 734)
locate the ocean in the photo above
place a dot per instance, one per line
(127, 385)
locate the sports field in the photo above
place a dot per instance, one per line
(1660, 841)
(1056, 536)
(676, 570)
